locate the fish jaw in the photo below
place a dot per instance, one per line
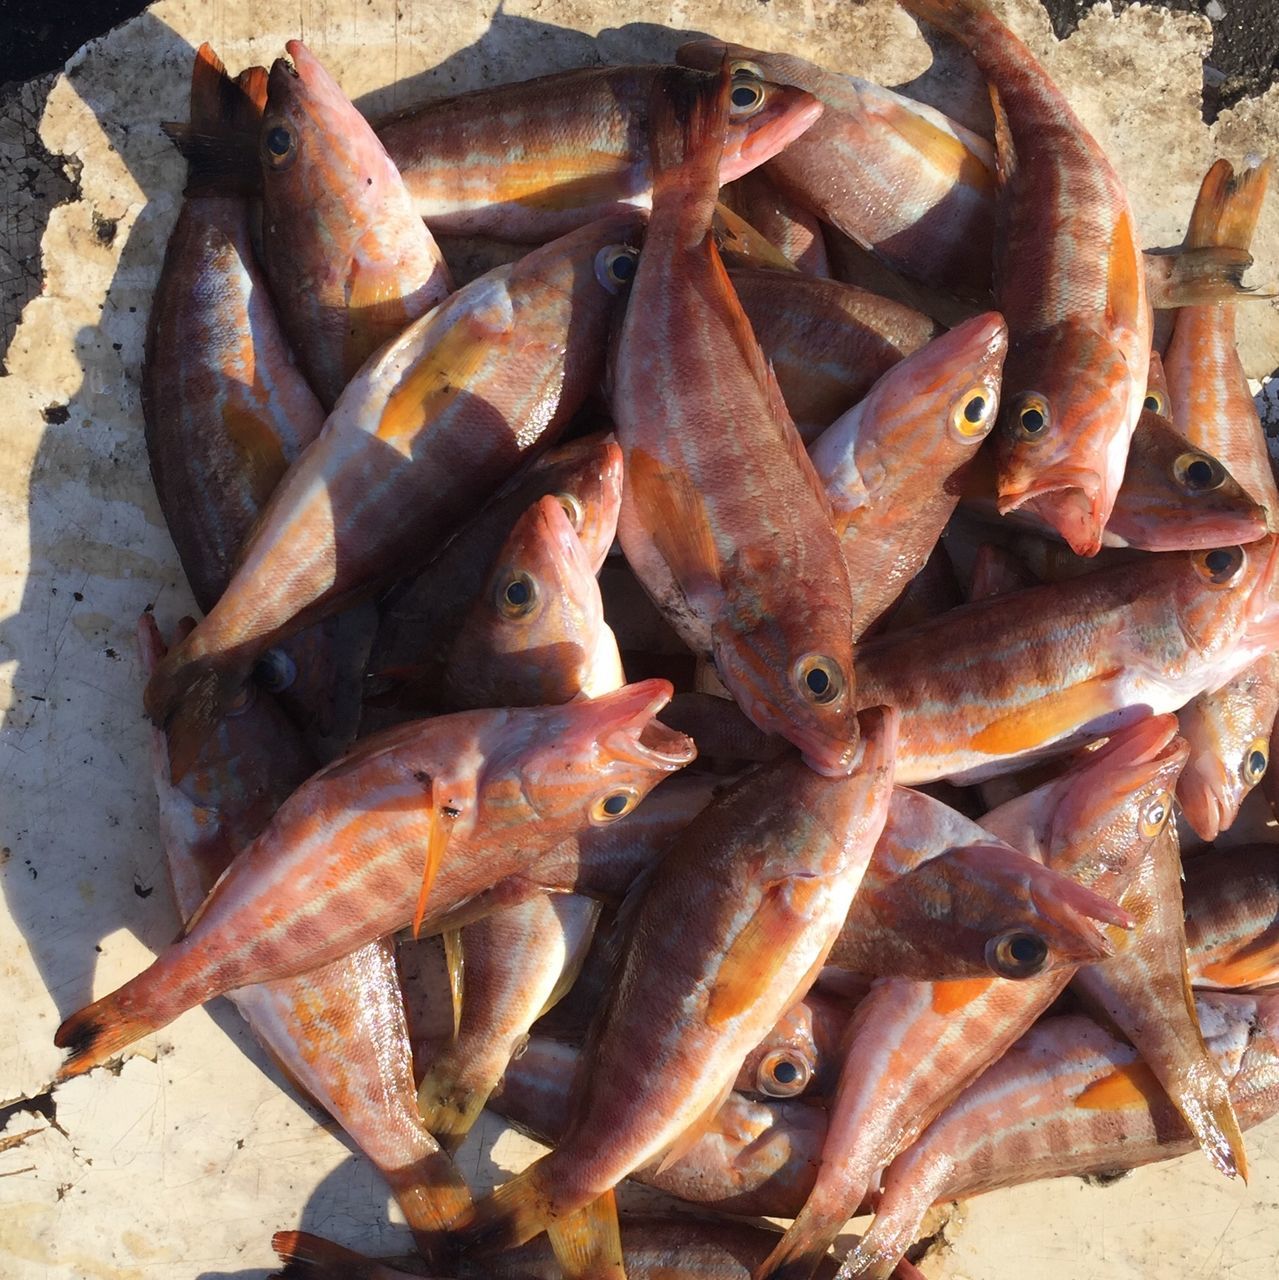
(786, 114)
(1203, 793)
(1069, 499)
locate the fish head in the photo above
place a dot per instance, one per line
(586, 480)
(1176, 497)
(763, 119)
(784, 1063)
(592, 761)
(1227, 604)
(1063, 431)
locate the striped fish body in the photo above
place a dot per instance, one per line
(1232, 919)
(793, 230)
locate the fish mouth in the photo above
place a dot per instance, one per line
(1203, 803)
(1263, 605)
(770, 136)
(1069, 499)
(633, 734)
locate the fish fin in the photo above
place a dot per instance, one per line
(448, 1110)
(576, 958)
(454, 962)
(518, 1210)
(220, 140)
(1124, 278)
(783, 906)
(588, 1244)
(308, 1257)
(737, 240)
(433, 1196)
(436, 843)
(1131, 1085)
(260, 449)
(100, 1031)
(376, 310)
(1048, 718)
(690, 1137)
(1228, 206)
(680, 525)
(958, 992)
(1198, 277)
(957, 18)
(687, 121)
(1005, 150)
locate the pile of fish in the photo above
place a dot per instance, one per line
(939, 604)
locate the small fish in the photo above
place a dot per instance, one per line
(534, 160)
(1232, 919)
(1071, 282)
(418, 816)
(350, 263)
(429, 428)
(1068, 1098)
(1229, 734)
(736, 919)
(785, 224)
(728, 529)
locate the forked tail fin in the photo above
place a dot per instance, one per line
(1228, 206)
(99, 1032)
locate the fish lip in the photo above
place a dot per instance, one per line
(636, 736)
(1054, 480)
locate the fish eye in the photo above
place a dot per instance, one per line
(571, 508)
(1221, 566)
(615, 266)
(275, 671)
(1154, 402)
(516, 596)
(1198, 472)
(1154, 815)
(613, 805)
(974, 412)
(1017, 954)
(819, 679)
(747, 93)
(277, 141)
(1030, 417)
(1255, 760)
(783, 1074)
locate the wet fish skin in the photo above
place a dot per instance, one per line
(534, 160)
(1232, 919)
(729, 931)
(429, 804)
(439, 419)
(1229, 734)
(1077, 659)
(795, 231)
(760, 586)
(350, 262)
(1068, 1098)
(892, 465)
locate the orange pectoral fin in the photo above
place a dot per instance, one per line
(1048, 718)
(677, 517)
(1124, 281)
(259, 448)
(949, 996)
(436, 843)
(1134, 1085)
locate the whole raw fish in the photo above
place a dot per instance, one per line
(419, 816)
(896, 175)
(1211, 402)
(1232, 919)
(350, 262)
(723, 519)
(784, 223)
(1229, 735)
(913, 1046)
(431, 426)
(892, 466)
(1068, 1098)
(1069, 279)
(1018, 677)
(533, 160)
(728, 931)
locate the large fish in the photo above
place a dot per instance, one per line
(533, 160)
(350, 262)
(412, 822)
(1232, 918)
(1071, 660)
(727, 932)
(1068, 1098)
(430, 427)
(723, 518)
(1069, 279)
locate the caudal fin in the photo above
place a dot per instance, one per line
(99, 1031)
(513, 1213)
(434, 1197)
(308, 1257)
(1228, 206)
(961, 19)
(687, 121)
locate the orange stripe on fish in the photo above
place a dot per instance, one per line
(1049, 717)
(1133, 1085)
(949, 996)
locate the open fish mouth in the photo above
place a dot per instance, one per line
(632, 732)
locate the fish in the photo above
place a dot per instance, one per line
(736, 920)
(419, 816)
(923, 199)
(1069, 1097)
(758, 584)
(349, 261)
(1069, 279)
(1229, 734)
(795, 232)
(429, 428)
(913, 1047)
(892, 465)
(535, 160)
(827, 342)
(1075, 660)
(518, 963)
(798, 1055)
(1232, 919)
(1212, 404)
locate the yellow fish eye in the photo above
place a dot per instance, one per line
(1255, 760)
(278, 146)
(819, 679)
(1154, 402)
(782, 1074)
(747, 93)
(613, 805)
(1220, 567)
(1198, 472)
(571, 508)
(1030, 417)
(516, 596)
(1154, 815)
(973, 414)
(1017, 954)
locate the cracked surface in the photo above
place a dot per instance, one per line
(184, 1160)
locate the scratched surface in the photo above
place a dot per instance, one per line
(183, 1162)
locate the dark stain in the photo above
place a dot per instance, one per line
(143, 890)
(104, 228)
(56, 415)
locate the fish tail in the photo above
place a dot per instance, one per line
(1198, 277)
(448, 1111)
(687, 120)
(588, 1244)
(962, 19)
(102, 1029)
(220, 140)
(434, 1196)
(1228, 206)
(800, 1251)
(511, 1214)
(308, 1257)
(187, 696)
(1217, 1130)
